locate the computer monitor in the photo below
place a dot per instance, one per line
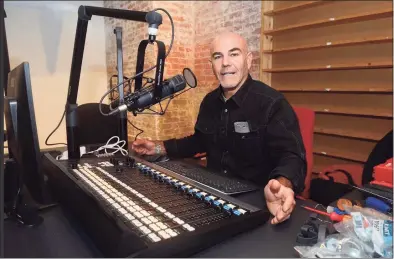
(23, 145)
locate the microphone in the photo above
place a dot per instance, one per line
(145, 97)
(154, 19)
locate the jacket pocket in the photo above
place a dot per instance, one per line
(207, 129)
(247, 146)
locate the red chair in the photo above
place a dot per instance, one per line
(306, 119)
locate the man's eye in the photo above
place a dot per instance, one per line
(216, 57)
(234, 54)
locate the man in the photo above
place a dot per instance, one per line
(246, 128)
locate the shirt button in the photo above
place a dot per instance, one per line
(225, 110)
(225, 171)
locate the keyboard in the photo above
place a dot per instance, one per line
(220, 183)
(129, 207)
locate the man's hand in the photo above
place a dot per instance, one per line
(280, 200)
(144, 147)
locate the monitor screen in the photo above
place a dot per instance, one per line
(23, 144)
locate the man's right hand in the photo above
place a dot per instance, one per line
(144, 147)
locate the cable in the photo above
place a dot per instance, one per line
(50, 134)
(141, 131)
(149, 69)
(115, 146)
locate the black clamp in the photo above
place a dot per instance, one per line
(311, 232)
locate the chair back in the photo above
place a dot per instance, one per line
(95, 128)
(306, 118)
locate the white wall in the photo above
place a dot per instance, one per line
(42, 33)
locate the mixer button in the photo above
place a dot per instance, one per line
(154, 227)
(146, 221)
(154, 205)
(154, 237)
(129, 216)
(138, 214)
(161, 209)
(153, 219)
(188, 227)
(136, 223)
(122, 210)
(164, 234)
(145, 213)
(161, 225)
(169, 215)
(171, 232)
(145, 230)
(179, 221)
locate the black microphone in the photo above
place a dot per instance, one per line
(145, 97)
(154, 19)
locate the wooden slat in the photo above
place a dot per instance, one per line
(266, 43)
(329, 44)
(322, 162)
(331, 67)
(337, 21)
(351, 126)
(373, 29)
(357, 150)
(294, 7)
(360, 54)
(345, 103)
(331, 11)
(370, 80)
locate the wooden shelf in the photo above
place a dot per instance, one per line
(333, 21)
(295, 7)
(332, 45)
(330, 67)
(339, 133)
(338, 157)
(328, 90)
(347, 112)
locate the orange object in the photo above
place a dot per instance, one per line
(343, 202)
(333, 216)
(384, 172)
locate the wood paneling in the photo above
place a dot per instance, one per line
(352, 149)
(369, 80)
(335, 57)
(353, 126)
(345, 103)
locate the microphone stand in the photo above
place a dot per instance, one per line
(122, 127)
(85, 13)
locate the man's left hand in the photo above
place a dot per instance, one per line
(280, 200)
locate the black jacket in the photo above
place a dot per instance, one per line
(269, 146)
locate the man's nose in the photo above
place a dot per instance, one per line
(225, 61)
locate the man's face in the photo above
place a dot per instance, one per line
(230, 61)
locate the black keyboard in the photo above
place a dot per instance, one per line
(133, 208)
(213, 180)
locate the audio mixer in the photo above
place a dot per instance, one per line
(132, 208)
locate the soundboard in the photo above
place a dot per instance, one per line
(133, 208)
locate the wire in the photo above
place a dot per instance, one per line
(115, 146)
(149, 69)
(141, 131)
(50, 134)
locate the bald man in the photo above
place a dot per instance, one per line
(247, 129)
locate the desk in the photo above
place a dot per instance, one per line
(60, 236)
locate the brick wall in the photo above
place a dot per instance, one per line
(196, 24)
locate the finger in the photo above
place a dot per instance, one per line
(288, 200)
(280, 217)
(275, 186)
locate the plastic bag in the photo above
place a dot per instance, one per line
(335, 246)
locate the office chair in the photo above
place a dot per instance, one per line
(306, 119)
(95, 128)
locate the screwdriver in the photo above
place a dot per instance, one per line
(333, 216)
(375, 194)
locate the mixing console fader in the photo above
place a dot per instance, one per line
(132, 208)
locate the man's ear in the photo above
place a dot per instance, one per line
(249, 58)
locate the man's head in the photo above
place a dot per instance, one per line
(230, 60)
